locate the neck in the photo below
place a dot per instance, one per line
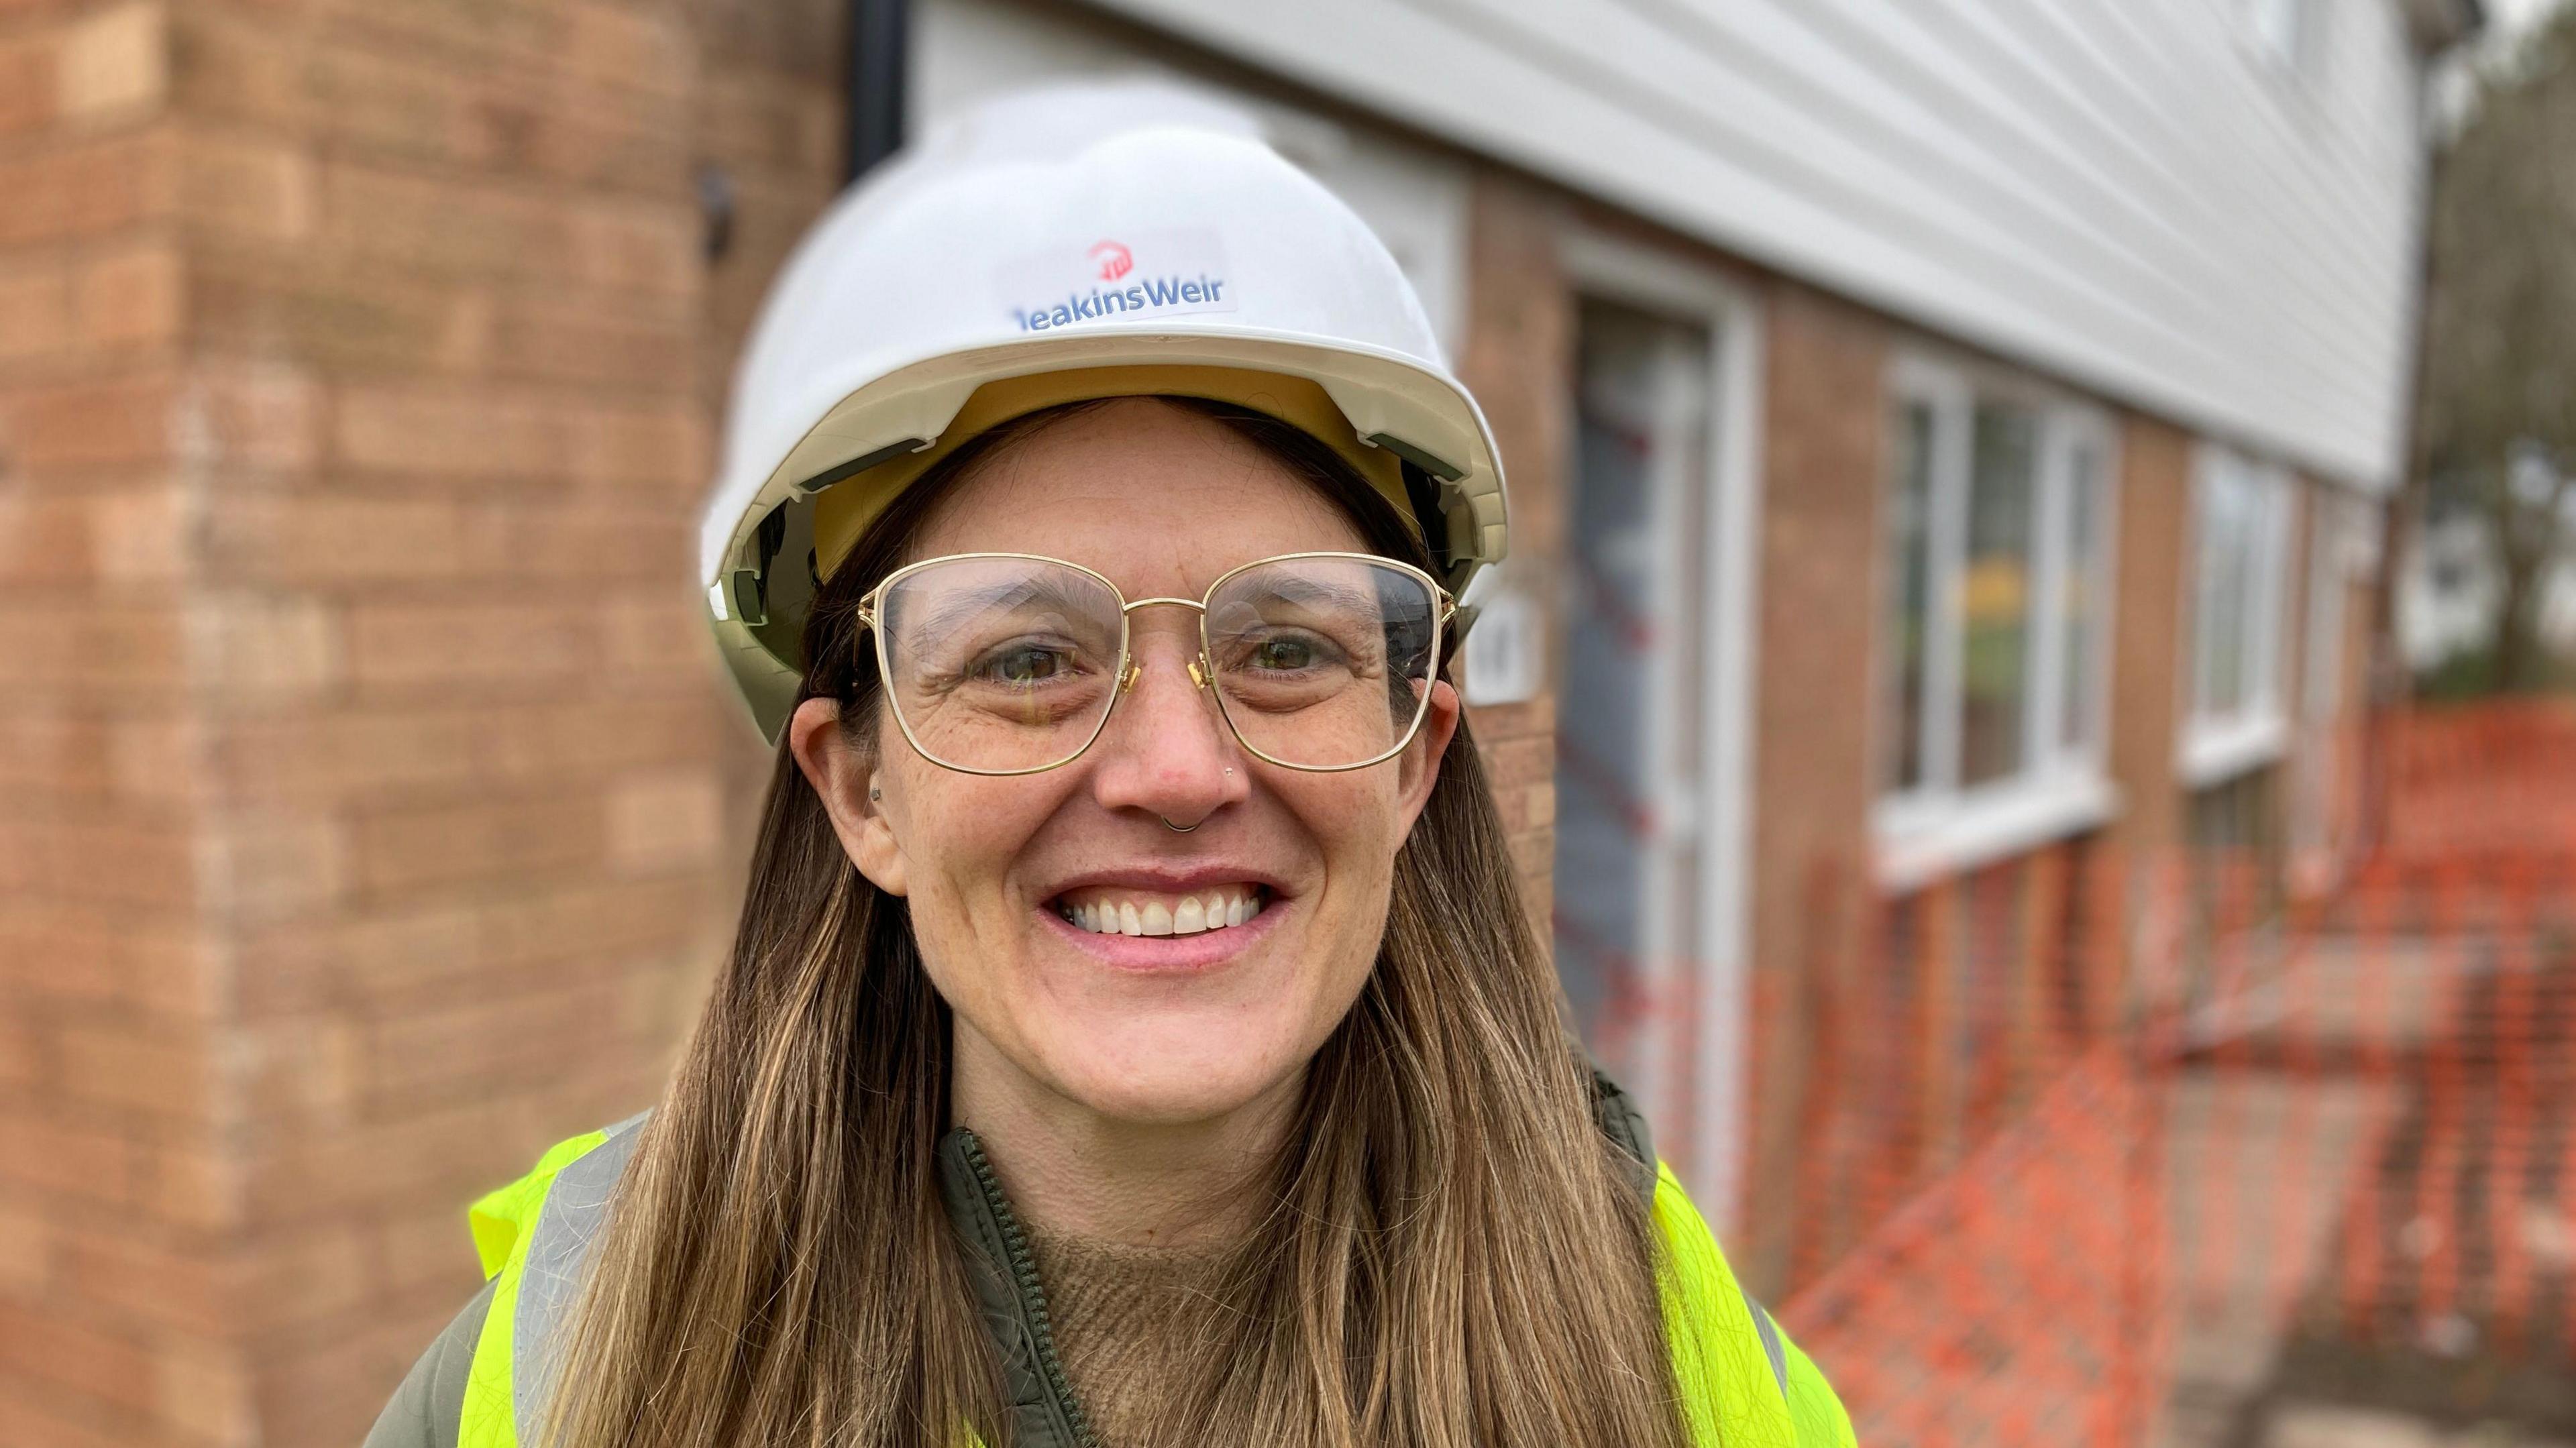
(1077, 1172)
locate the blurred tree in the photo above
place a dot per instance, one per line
(2499, 392)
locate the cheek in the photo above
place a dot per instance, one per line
(959, 837)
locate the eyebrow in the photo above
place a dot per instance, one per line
(1308, 589)
(956, 605)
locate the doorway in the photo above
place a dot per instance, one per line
(1653, 696)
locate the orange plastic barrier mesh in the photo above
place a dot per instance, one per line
(2110, 1151)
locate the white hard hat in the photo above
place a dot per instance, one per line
(1075, 242)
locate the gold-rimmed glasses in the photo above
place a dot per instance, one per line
(1010, 663)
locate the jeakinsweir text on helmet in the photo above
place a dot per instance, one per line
(1060, 231)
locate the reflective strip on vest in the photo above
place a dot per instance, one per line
(534, 1235)
(1729, 1360)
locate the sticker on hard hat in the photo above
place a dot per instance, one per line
(1156, 274)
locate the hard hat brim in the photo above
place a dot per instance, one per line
(873, 435)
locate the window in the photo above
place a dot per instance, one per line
(1994, 633)
(2240, 550)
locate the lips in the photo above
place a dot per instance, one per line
(1160, 918)
(1120, 910)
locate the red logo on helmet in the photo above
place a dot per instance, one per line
(1114, 260)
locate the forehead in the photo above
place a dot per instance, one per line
(1158, 498)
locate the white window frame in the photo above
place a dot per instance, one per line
(2215, 747)
(1939, 826)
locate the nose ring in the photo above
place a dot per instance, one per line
(1178, 829)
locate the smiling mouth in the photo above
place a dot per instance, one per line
(1109, 910)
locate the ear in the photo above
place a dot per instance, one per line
(853, 789)
(1420, 762)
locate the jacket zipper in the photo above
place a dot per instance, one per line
(1024, 1278)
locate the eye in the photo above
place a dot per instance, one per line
(1283, 653)
(1024, 663)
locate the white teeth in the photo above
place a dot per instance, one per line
(1191, 915)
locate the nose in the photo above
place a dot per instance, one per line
(1165, 750)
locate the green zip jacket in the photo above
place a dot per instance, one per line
(1743, 1382)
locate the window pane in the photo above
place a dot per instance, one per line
(2225, 581)
(2083, 603)
(1909, 593)
(1994, 665)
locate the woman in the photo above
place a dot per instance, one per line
(1133, 1035)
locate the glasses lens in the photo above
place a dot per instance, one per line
(1323, 662)
(1000, 663)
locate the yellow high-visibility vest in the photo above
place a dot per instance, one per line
(1744, 1383)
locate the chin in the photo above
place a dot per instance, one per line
(1175, 1073)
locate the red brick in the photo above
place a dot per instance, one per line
(646, 49)
(300, 1070)
(459, 432)
(193, 1186)
(248, 187)
(585, 344)
(77, 1158)
(484, 1047)
(23, 1066)
(91, 423)
(666, 451)
(227, 64)
(90, 189)
(114, 63)
(425, 1251)
(147, 1281)
(157, 759)
(205, 1393)
(665, 821)
(409, 647)
(404, 752)
(37, 1414)
(27, 65)
(26, 1252)
(327, 1384)
(164, 1071)
(259, 416)
(85, 951)
(257, 300)
(35, 298)
(267, 649)
(501, 944)
(91, 855)
(278, 864)
(496, 840)
(129, 298)
(752, 120)
(48, 751)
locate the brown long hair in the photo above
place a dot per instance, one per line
(1451, 1257)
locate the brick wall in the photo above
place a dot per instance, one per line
(1518, 361)
(1824, 461)
(367, 818)
(2148, 646)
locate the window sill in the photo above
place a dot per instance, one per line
(2215, 751)
(1918, 844)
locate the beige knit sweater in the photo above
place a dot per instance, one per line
(1127, 1320)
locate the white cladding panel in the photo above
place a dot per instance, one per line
(2136, 195)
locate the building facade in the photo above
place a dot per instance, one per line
(1941, 436)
